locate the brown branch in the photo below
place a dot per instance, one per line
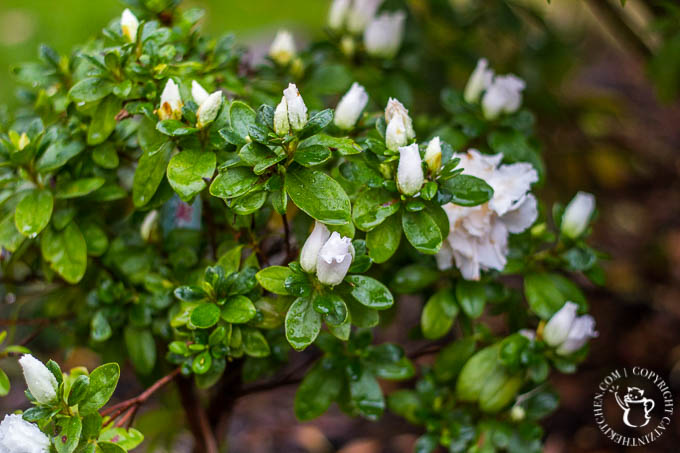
(613, 20)
(196, 418)
(34, 321)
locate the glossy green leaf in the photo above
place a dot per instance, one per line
(318, 195)
(33, 212)
(66, 251)
(57, 155)
(273, 279)
(471, 297)
(90, 89)
(303, 323)
(188, 170)
(232, 183)
(468, 190)
(103, 121)
(205, 315)
(372, 207)
(78, 188)
(383, 240)
(103, 381)
(242, 117)
(238, 310)
(319, 388)
(422, 231)
(370, 292)
(149, 173)
(438, 315)
(67, 433)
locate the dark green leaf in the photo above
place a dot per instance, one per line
(205, 315)
(467, 190)
(303, 323)
(319, 195)
(370, 292)
(188, 170)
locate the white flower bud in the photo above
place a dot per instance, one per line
(129, 25)
(310, 251)
(19, 436)
(383, 35)
(410, 176)
(281, 125)
(282, 50)
(577, 215)
(433, 155)
(149, 227)
(395, 134)
(504, 95)
(395, 108)
(198, 93)
(528, 334)
(337, 14)
(582, 330)
(557, 329)
(360, 14)
(480, 80)
(40, 381)
(334, 259)
(171, 102)
(208, 110)
(351, 105)
(297, 110)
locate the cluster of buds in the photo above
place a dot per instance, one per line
(567, 332)
(501, 94)
(329, 255)
(577, 215)
(171, 103)
(291, 113)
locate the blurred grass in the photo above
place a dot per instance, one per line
(24, 24)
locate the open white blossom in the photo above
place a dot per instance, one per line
(410, 177)
(577, 214)
(568, 332)
(171, 102)
(383, 35)
(310, 251)
(480, 80)
(504, 95)
(282, 50)
(129, 24)
(351, 105)
(297, 111)
(478, 237)
(19, 436)
(338, 13)
(334, 259)
(40, 381)
(208, 110)
(360, 14)
(199, 93)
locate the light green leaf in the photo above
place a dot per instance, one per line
(78, 188)
(370, 292)
(318, 195)
(422, 231)
(233, 183)
(57, 154)
(66, 251)
(103, 381)
(238, 310)
(188, 170)
(149, 173)
(438, 315)
(383, 240)
(33, 212)
(273, 279)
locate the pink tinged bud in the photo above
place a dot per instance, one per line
(313, 244)
(335, 259)
(351, 105)
(577, 215)
(129, 25)
(410, 177)
(582, 330)
(480, 80)
(40, 381)
(297, 111)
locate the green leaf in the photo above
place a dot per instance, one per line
(58, 154)
(231, 260)
(249, 203)
(254, 343)
(205, 315)
(78, 390)
(320, 387)
(318, 195)
(175, 128)
(344, 145)
(187, 170)
(468, 190)
(110, 447)
(141, 348)
(90, 90)
(103, 381)
(405, 403)
(427, 443)
(241, 117)
(10, 238)
(332, 307)
(383, 240)
(439, 313)
(104, 120)
(78, 187)
(233, 183)
(413, 278)
(452, 358)
(238, 310)
(149, 173)
(66, 251)
(273, 279)
(202, 363)
(67, 433)
(96, 239)
(105, 156)
(4, 383)
(317, 122)
(546, 293)
(367, 396)
(33, 212)
(422, 231)
(260, 157)
(126, 438)
(303, 323)
(372, 207)
(312, 155)
(370, 292)
(388, 361)
(471, 297)
(100, 329)
(499, 390)
(475, 373)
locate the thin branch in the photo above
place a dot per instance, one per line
(197, 418)
(613, 20)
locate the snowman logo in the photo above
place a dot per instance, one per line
(636, 408)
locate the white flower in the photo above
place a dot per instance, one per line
(149, 226)
(297, 111)
(395, 134)
(480, 80)
(360, 14)
(198, 93)
(40, 381)
(337, 13)
(351, 105)
(310, 251)
(171, 102)
(19, 436)
(577, 215)
(567, 332)
(433, 155)
(383, 35)
(394, 109)
(129, 25)
(334, 259)
(281, 124)
(208, 110)
(478, 237)
(410, 177)
(504, 95)
(282, 50)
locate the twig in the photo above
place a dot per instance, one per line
(33, 321)
(196, 418)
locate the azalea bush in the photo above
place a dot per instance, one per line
(202, 219)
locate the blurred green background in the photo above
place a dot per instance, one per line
(24, 24)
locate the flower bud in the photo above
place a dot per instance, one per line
(334, 259)
(504, 95)
(395, 108)
(577, 215)
(360, 14)
(395, 134)
(198, 93)
(410, 176)
(129, 25)
(19, 436)
(582, 330)
(557, 329)
(480, 80)
(40, 381)
(347, 46)
(433, 155)
(281, 125)
(297, 111)
(337, 14)
(282, 50)
(517, 413)
(149, 228)
(313, 244)
(351, 105)
(171, 102)
(208, 110)
(383, 35)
